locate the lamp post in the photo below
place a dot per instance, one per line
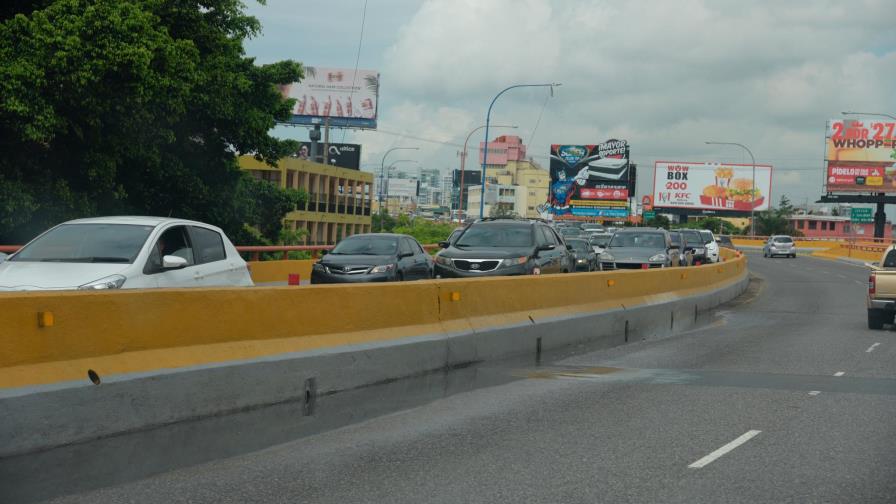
(382, 169)
(463, 159)
(879, 114)
(752, 189)
(488, 117)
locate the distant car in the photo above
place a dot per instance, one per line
(779, 245)
(125, 253)
(583, 254)
(374, 257)
(570, 232)
(599, 241)
(502, 247)
(695, 244)
(725, 241)
(686, 253)
(640, 248)
(712, 248)
(593, 228)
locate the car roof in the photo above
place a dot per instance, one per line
(384, 235)
(640, 229)
(135, 220)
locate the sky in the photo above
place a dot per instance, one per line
(666, 76)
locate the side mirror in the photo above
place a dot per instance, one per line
(173, 262)
(542, 248)
(568, 247)
(444, 244)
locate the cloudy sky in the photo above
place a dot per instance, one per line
(666, 76)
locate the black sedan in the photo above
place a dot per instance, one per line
(378, 257)
(584, 255)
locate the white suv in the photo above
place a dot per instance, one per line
(125, 253)
(712, 246)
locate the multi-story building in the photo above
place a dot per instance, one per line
(508, 166)
(339, 199)
(499, 200)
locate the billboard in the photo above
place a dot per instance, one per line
(861, 156)
(339, 154)
(591, 180)
(711, 186)
(348, 98)
(471, 177)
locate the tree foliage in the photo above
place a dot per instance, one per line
(136, 107)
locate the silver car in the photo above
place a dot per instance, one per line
(779, 245)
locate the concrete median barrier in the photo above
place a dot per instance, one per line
(75, 366)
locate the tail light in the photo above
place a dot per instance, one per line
(872, 284)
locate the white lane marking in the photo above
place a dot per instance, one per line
(839, 373)
(861, 283)
(815, 392)
(750, 434)
(871, 348)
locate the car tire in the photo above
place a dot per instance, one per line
(793, 256)
(399, 277)
(875, 319)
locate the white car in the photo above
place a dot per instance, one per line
(712, 246)
(125, 253)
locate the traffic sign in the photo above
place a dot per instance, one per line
(649, 216)
(861, 215)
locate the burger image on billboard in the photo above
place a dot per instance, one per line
(737, 194)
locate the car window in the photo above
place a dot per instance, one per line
(542, 236)
(890, 260)
(783, 239)
(366, 245)
(405, 247)
(497, 235)
(638, 240)
(579, 245)
(208, 245)
(601, 240)
(454, 234)
(174, 241)
(418, 249)
(676, 239)
(707, 237)
(554, 237)
(95, 243)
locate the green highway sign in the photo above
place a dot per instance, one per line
(861, 215)
(649, 215)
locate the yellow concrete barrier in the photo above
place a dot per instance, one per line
(137, 331)
(279, 271)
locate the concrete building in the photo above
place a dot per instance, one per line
(508, 166)
(832, 226)
(339, 199)
(503, 199)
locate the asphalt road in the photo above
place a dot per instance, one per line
(783, 396)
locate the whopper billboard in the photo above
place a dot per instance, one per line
(345, 96)
(861, 156)
(722, 187)
(591, 180)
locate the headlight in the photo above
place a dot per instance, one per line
(444, 261)
(383, 268)
(580, 261)
(109, 282)
(514, 261)
(606, 256)
(658, 257)
(321, 267)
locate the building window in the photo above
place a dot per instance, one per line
(824, 226)
(812, 225)
(801, 224)
(832, 226)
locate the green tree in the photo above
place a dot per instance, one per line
(135, 107)
(382, 222)
(660, 221)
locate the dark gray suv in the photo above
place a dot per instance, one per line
(493, 247)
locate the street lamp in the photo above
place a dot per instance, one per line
(382, 169)
(488, 118)
(463, 159)
(752, 189)
(879, 114)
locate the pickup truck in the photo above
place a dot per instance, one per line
(881, 300)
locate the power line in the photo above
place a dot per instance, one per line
(357, 57)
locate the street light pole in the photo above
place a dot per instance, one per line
(879, 114)
(752, 189)
(463, 159)
(382, 169)
(488, 117)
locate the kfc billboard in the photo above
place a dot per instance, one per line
(348, 98)
(711, 186)
(591, 180)
(861, 156)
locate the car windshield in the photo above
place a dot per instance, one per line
(707, 237)
(367, 245)
(783, 239)
(87, 243)
(570, 231)
(496, 235)
(579, 245)
(601, 240)
(638, 240)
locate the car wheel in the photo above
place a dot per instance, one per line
(400, 276)
(875, 319)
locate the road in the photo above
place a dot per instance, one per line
(782, 396)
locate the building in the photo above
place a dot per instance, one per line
(499, 200)
(508, 166)
(401, 195)
(832, 226)
(503, 149)
(339, 199)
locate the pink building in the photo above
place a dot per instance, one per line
(503, 149)
(829, 226)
